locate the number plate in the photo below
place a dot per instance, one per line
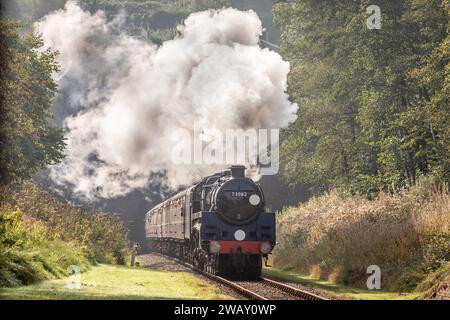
(239, 194)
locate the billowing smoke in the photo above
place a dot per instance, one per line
(133, 95)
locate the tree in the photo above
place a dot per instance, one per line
(28, 142)
(431, 80)
(366, 118)
(320, 148)
(153, 20)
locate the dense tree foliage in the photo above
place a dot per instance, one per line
(152, 20)
(29, 11)
(149, 19)
(28, 142)
(373, 103)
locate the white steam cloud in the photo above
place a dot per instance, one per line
(131, 95)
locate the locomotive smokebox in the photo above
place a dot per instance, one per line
(238, 172)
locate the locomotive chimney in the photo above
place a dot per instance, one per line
(238, 172)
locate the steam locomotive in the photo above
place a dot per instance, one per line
(219, 224)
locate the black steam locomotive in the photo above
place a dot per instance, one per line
(219, 224)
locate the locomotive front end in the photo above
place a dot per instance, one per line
(235, 231)
(239, 201)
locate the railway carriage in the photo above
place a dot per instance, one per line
(219, 224)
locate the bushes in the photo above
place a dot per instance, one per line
(41, 236)
(337, 237)
(102, 237)
(29, 254)
(10, 228)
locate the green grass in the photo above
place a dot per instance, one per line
(339, 291)
(106, 282)
(38, 261)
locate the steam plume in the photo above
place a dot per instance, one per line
(133, 94)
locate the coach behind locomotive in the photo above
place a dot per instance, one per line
(219, 224)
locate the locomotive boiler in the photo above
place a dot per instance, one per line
(219, 224)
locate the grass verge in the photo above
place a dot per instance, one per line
(107, 282)
(340, 291)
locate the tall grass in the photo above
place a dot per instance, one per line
(41, 236)
(336, 237)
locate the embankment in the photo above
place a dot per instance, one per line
(337, 237)
(41, 236)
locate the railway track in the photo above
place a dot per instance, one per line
(261, 289)
(265, 289)
(301, 294)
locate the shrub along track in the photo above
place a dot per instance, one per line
(261, 289)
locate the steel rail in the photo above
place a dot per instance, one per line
(239, 289)
(302, 294)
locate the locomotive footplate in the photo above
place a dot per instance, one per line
(247, 237)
